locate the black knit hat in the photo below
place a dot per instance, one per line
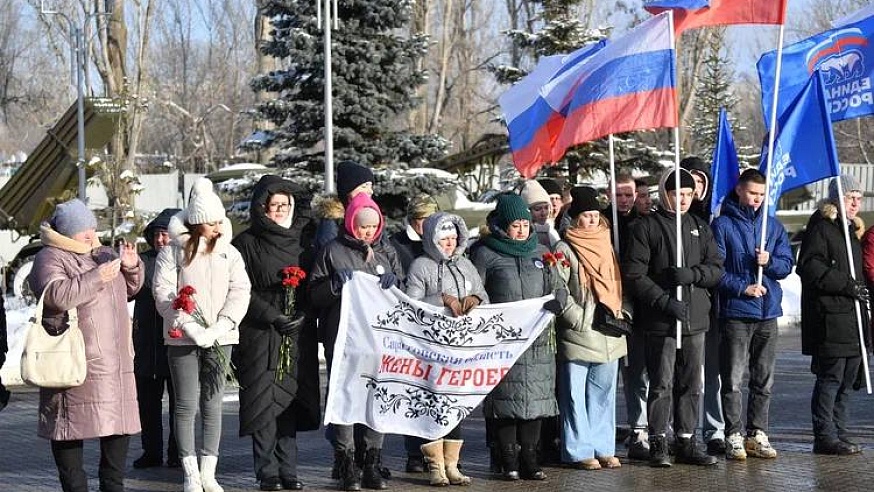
(351, 175)
(550, 185)
(694, 163)
(584, 199)
(510, 207)
(686, 180)
(161, 222)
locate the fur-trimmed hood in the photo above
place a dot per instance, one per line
(431, 243)
(829, 210)
(328, 206)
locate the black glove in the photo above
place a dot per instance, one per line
(557, 306)
(680, 275)
(289, 325)
(340, 277)
(676, 309)
(857, 290)
(387, 280)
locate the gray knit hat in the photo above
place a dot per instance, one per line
(72, 217)
(848, 183)
(204, 206)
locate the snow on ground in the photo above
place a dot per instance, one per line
(18, 314)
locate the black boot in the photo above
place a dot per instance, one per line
(510, 461)
(689, 453)
(347, 473)
(371, 477)
(529, 467)
(658, 452)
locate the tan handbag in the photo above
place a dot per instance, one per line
(53, 361)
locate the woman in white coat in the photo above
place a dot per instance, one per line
(201, 256)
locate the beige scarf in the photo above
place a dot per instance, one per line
(600, 269)
(51, 237)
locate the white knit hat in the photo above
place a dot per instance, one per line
(532, 192)
(204, 205)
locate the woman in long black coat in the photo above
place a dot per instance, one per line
(273, 411)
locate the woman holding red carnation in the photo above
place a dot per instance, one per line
(510, 262)
(276, 403)
(202, 267)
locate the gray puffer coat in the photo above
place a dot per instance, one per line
(527, 392)
(435, 274)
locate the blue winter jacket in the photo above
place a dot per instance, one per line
(738, 232)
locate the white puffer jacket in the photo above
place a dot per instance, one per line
(219, 278)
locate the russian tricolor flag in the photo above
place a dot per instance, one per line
(621, 85)
(691, 14)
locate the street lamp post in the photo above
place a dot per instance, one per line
(80, 56)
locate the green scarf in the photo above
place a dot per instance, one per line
(500, 242)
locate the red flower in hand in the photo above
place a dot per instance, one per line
(549, 258)
(184, 303)
(187, 291)
(292, 276)
(174, 332)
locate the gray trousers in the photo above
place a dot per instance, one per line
(748, 348)
(198, 381)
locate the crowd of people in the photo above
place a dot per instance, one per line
(677, 309)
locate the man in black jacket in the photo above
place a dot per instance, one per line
(833, 291)
(651, 277)
(151, 370)
(712, 422)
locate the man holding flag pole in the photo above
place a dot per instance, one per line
(831, 315)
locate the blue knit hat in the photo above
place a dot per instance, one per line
(72, 217)
(510, 207)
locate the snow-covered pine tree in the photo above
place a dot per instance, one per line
(374, 81)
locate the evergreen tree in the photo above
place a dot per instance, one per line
(374, 82)
(713, 91)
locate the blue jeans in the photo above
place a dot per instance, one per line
(587, 401)
(748, 346)
(199, 381)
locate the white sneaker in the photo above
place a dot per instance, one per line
(757, 445)
(734, 447)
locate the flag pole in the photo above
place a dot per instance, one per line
(851, 264)
(678, 217)
(615, 213)
(679, 225)
(772, 135)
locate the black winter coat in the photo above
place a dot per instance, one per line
(267, 248)
(346, 253)
(150, 359)
(828, 317)
(652, 250)
(407, 248)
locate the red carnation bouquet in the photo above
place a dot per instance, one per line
(556, 259)
(292, 276)
(185, 302)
